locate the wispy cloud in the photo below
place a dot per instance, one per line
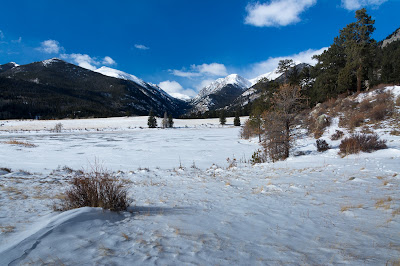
(213, 69)
(19, 40)
(1, 35)
(108, 61)
(50, 47)
(271, 63)
(276, 12)
(141, 47)
(86, 61)
(176, 90)
(357, 4)
(82, 60)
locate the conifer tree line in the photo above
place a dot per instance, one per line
(353, 63)
(167, 122)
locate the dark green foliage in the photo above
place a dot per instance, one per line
(322, 145)
(170, 121)
(347, 63)
(284, 66)
(151, 121)
(236, 120)
(390, 63)
(222, 118)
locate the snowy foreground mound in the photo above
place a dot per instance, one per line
(313, 209)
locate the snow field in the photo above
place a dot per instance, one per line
(313, 209)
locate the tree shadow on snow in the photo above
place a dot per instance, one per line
(140, 210)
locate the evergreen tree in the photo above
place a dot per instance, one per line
(152, 121)
(222, 118)
(359, 46)
(170, 121)
(236, 121)
(284, 66)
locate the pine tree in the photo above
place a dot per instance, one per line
(236, 121)
(170, 121)
(152, 121)
(165, 120)
(284, 66)
(222, 118)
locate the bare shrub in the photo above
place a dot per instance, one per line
(57, 128)
(97, 188)
(337, 135)
(361, 142)
(247, 131)
(280, 120)
(366, 105)
(398, 101)
(322, 145)
(380, 111)
(258, 157)
(351, 120)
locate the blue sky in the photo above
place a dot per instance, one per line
(181, 45)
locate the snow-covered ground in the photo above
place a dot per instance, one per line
(314, 209)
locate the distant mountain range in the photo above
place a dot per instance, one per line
(56, 89)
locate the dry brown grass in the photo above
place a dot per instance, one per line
(348, 207)
(7, 228)
(20, 143)
(383, 203)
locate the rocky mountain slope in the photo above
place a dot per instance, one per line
(219, 93)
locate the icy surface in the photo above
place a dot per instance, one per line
(316, 209)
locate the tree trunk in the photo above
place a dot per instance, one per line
(287, 140)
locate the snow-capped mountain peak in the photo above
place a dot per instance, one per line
(111, 72)
(215, 86)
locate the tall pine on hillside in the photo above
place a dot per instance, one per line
(348, 61)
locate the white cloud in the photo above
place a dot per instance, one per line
(86, 61)
(108, 61)
(176, 90)
(50, 47)
(184, 74)
(357, 4)
(141, 47)
(277, 12)
(213, 69)
(83, 60)
(272, 63)
(1, 35)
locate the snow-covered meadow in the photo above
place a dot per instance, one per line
(190, 205)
